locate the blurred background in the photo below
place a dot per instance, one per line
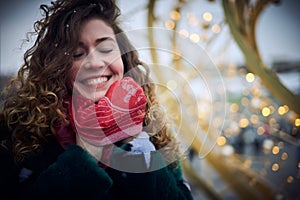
(227, 73)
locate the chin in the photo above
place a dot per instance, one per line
(97, 96)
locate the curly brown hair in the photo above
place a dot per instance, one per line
(35, 101)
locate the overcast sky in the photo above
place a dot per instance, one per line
(278, 29)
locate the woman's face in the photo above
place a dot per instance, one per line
(97, 60)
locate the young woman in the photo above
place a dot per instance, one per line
(80, 118)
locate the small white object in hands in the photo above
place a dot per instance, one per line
(142, 144)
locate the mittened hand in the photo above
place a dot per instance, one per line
(127, 94)
(125, 97)
(116, 116)
(122, 109)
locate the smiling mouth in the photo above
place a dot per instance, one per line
(96, 81)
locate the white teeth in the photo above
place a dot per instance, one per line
(95, 81)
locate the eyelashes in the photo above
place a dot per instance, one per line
(77, 55)
(105, 51)
(106, 47)
(82, 53)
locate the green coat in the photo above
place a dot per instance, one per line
(56, 173)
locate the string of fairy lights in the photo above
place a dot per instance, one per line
(255, 108)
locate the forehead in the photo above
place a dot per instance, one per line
(94, 28)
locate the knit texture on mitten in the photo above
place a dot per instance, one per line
(116, 116)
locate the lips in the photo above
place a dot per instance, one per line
(96, 81)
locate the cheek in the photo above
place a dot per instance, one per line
(118, 67)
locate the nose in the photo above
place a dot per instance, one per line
(94, 61)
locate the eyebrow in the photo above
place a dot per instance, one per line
(98, 41)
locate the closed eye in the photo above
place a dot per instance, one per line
(77, 55)
(79, 52)
(105, 50)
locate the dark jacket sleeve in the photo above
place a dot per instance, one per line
(74, 174)
(158, 182)
(8, 175)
